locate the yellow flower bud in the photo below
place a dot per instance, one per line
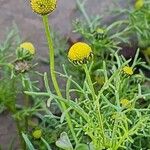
(99, 34)
(139, 4)
(43, 7)
(125, 103)
(29, 47)
(37, 134)
(128, 70)
(80, 53)
(25, 51)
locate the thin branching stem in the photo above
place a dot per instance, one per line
(53, 75)
(95, 100)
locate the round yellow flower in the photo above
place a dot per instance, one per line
(37, 134)
(139, 4)
(80, 53)
(128, 70)
(125, 103)
(28, 46)
(43, 7)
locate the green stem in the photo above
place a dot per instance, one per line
(82, 9)
(95, 101)
(26, 87)
(89, 81)
(19, 129)
(13, 111)
(26, 117)
(53, 75)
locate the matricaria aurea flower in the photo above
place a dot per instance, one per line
(43, 7)
(25, 51)
(128, 70)
(28, 46)
(125, 103)
(139, 4)
(80, 53)
(37, 134)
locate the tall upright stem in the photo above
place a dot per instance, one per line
(13, 110)
(19, 130)
(53, 75)
(89, 81)
(94, 96)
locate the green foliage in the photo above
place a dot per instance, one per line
(8, 45)
(8, 94)
(100, 119)
(82, 147)
(29, 144)
(93, 93)
(97, 112)
(13, 99)
(63, 142)
(104, 120)
(7, 85)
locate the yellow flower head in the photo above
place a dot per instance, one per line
(43, 7)
(28, 46)
(128, 70)
(139, 4)
(37, 134)
(125, 103)
(80, 53)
